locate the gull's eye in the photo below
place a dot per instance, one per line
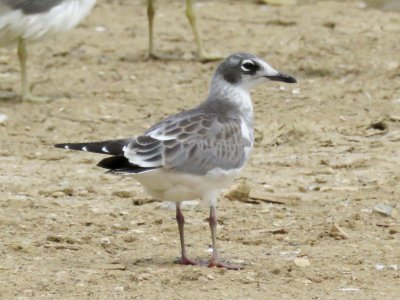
(249, 66)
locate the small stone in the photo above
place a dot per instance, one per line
(113, 267)
(62, 277)
(268, 188)
(55, 238)
(302, 189)
(338, 233)
(158, 221)
(100, 29)
(387, 210)
(68, 191)
(119, 289)
(145, 276)
(276, 271)
(239, 192)
(123, 194)
(395, 214)
(52, 216)
(58, 194)
(129, 239)
(3, 118)
(301, 262)
(105, 241)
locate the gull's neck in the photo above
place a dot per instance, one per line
(232, 96)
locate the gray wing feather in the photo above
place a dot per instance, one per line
(194, 143)
(31, 6)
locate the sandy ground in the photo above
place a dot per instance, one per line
(327, 149)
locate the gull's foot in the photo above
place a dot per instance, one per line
(154, 56)
(35, 99)
(202, 57)
(220, 264)
(207, 57)
(187, 262)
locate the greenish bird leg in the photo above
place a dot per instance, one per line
(150, 17)
(25, 91)
(201, 53)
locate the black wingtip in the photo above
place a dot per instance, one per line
(64, 146)
(114, 162)
(121, 164)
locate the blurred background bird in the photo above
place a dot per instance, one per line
(26, 21)
(191, 15)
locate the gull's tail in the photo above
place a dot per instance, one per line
(113, 147)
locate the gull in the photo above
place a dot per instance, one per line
(190, 14)
(26, 21)
(198, 152)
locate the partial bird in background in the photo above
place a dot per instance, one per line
(26, 21)
(196, 153)
(191, 15)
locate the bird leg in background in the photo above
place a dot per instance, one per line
(184, 260)
(25, 90)
(215, 262)
(150, 17)
(201, 53)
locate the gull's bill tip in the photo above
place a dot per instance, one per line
(282, 77)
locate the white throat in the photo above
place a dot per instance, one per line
(235, 94)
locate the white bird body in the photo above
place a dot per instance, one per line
(177, 187)
(15, 24)
(195, 153)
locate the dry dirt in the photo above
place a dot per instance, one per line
(327, 149)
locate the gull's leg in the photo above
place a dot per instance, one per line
(202, 54)
(150, 16)
(215, 262)
(25, 92)
(184, 260)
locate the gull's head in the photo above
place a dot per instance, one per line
(244, 70)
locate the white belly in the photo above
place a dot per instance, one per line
(15, 24)
(176, 187)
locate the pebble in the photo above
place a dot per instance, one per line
(239, 192)
(3, 118)
(119, 289)
(52, 216)
(301, 262)
(387, 210)
(105, 241)
(113, 267)
(123, 194)
(58, 194)
(338, 233)
(268, 188)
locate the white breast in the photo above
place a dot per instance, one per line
(14, 24)
(172, 186)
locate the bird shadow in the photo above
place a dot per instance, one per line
(167, 263)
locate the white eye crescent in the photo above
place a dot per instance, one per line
(248, 65)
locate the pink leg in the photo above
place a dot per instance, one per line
(215, 262)
(184, 260)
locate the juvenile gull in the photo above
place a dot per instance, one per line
(191, 15)
(196, 153)
(25, 21)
